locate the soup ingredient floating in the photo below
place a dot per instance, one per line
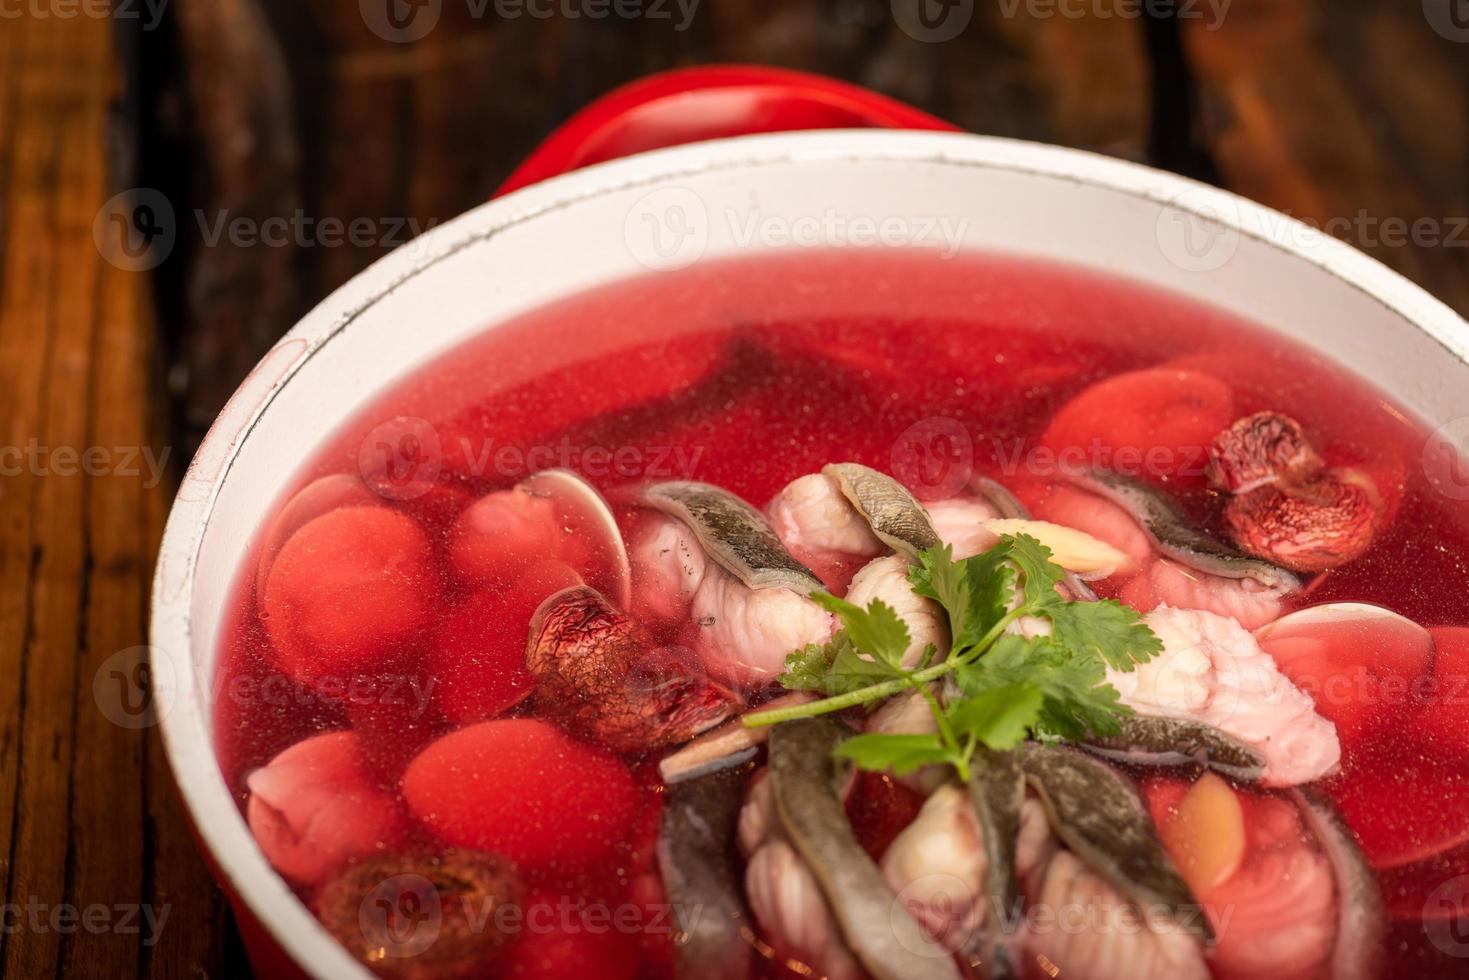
(1012, 686)
(887, 783)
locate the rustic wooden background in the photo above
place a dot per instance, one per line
(1329, 109)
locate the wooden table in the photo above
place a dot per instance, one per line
(1354, 116)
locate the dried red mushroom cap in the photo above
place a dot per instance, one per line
(1323, 522)
(601, 676)
(1258, 450)
(416, 917)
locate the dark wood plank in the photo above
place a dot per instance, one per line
(1350, 118)
(84, 806)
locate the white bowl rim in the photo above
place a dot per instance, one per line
(186, 724)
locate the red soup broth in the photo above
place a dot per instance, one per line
(748, 373)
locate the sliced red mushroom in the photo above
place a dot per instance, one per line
(412, 917)
(1258, 450)
(1309, 526)
(601, 676)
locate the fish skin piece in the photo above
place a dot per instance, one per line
(784, 894)
(997, 793)
(1177, 538)
(733, 534)
(807, 781)
(895, 515)
(699, 872)
(1100, 816)
(1146, 740)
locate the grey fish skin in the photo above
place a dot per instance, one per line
(1150, 741)
(1357, 953)
(702, 876)
(996, 790)
(881, 933)
(1098, 814)
(1176, 537)
(734, 535)
(894, 514)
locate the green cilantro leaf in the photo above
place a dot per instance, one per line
(1039, 574)
(1000, 717)
(876, 631)
(1107, 630)
(976, 592)
(807, 668)
(1001, 687)
(1076, 698)
(899, 754)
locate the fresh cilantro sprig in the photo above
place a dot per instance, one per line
(999, 687)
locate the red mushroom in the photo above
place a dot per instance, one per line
(416, 918)
(601, 675)
(1309, 526)
(1258, 450)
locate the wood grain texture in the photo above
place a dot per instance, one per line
(89, 819)
(1353, 118)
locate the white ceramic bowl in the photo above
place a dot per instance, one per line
(592, 226)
